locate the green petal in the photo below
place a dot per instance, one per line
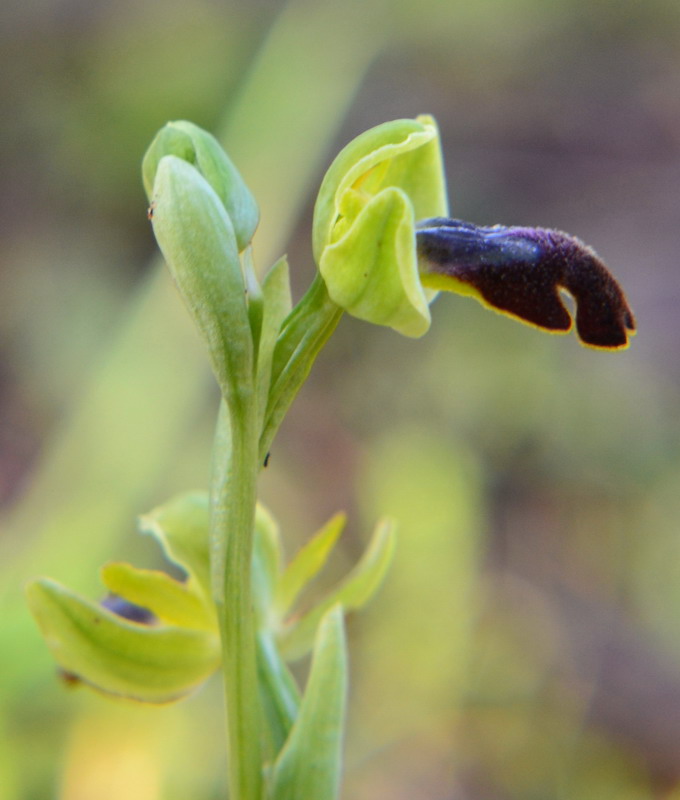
(152, 664)
(172, 601)
(307, 563)
(372, 271)
(309, 766)
(353, 593)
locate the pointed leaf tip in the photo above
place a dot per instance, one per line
(308, 562)
(352, 593)
(310, 763)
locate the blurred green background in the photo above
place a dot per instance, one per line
(527, 641)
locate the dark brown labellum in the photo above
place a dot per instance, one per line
(520, 271)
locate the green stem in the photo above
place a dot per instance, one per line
(232, 525)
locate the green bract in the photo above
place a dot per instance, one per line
(364, 222)
(309, 764)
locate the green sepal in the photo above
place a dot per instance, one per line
(171, 601)
(372, 270)
(309, 765)
(180, 526)
(309, 560)
(154, 664)
(196, 237)
(295, 640)
(364, 222)
(199, 148)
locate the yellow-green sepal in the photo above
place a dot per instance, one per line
(266, 565)
(364, 222)
(182, 526)
(150, 663)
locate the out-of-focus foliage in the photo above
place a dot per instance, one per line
(527, 642)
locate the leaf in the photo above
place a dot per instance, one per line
(309, 765)
(277, 306)
(172, 601)
(181, 528)
(266, 562)
(353, 593)
(279, 693)
(307, 563)
(152, 664)
(303, 333)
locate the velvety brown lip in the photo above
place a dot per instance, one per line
(521, 270)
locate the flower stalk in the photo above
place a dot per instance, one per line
(232, 521)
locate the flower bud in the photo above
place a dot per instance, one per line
(197, 240)
(194, 145)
